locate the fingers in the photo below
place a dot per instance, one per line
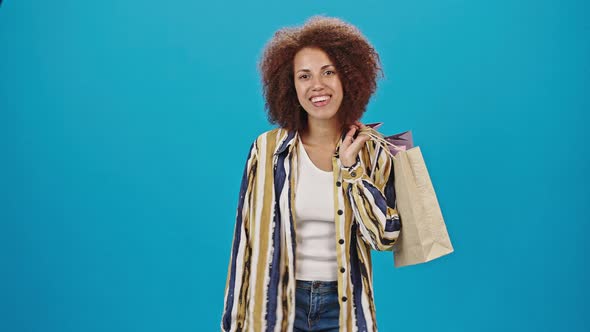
(359, 124)
(359, 142)
(354, 144)
(349, 138)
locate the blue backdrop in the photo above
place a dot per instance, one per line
(125, 124)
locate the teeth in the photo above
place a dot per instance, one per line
(320, 98)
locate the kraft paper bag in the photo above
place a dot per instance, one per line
(424, 235)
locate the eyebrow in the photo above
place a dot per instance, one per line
(323, 67)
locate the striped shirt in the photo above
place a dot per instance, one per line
(260, 284)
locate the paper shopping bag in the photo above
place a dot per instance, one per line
(424, 235)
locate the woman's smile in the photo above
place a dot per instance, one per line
(321, 101)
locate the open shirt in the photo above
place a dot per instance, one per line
(260, 285)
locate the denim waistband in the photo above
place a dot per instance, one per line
(318, 285)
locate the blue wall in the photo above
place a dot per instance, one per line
(124, 127)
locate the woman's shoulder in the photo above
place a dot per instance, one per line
(270, 138)
(377, 145)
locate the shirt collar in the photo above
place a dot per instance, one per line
(288, 142)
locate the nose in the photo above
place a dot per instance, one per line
(317, 83)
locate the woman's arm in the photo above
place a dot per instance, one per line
(373, 198)
(236, 288)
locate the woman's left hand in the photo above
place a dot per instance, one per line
(351, 146)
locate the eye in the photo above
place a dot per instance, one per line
(330, 71)
(303, 76)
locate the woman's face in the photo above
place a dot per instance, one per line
(317, 83)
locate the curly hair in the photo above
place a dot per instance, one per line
(353, 56)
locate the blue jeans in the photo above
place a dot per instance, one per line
(316, 306)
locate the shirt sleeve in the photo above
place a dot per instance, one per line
(372, 197)
(238, 273)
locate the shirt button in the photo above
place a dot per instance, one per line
(344, 299)
(342, 269)
(340, 212)
(353, 174)
(338, 183)
(341, 241)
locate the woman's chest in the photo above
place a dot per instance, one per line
(321, 157)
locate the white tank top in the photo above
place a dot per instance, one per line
(314, 213)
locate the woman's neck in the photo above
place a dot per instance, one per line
(322, 133)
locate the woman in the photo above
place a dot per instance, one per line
(317, 193)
